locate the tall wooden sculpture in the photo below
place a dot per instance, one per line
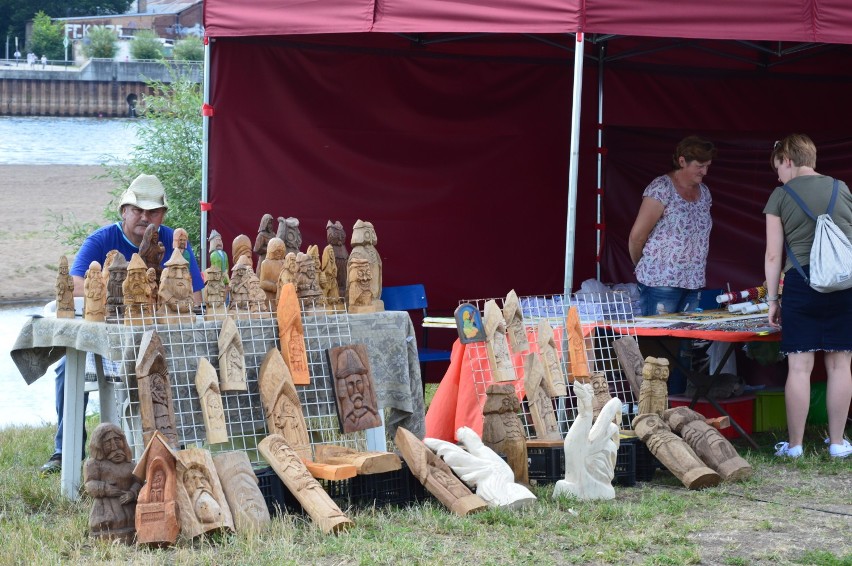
(232, 361)
(496, 347)
(502, 430)
(155, 390)
(292, 335)
(515, 329)
(289, 467)
(210, 399)
(94, 307)
(137, 294)
(244, 497)
(576, 346)
(175, 292)
(541, 407)
(281, 404)
(271, 268)
(357, 406)
(673, 452)
(364, 242)
(156, 512)
(336, 237)
(708, 443)
(64, 291)
(151, 250)
(654, 395)
(202, 505)
(555, 380)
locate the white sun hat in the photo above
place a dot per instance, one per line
(145, 192)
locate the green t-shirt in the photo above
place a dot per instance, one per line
(815, 191)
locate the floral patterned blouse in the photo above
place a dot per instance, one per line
(675, 254)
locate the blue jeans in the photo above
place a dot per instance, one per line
(660, 300)
(60, 407)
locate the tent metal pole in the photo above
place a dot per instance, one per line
(599, 230)
(572, 166)
(205, 147)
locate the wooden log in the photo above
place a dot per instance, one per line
(365, 462)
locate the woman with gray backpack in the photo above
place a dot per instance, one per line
(816, 315)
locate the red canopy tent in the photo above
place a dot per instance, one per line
(449, 125)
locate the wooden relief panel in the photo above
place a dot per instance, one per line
(156, 512)
(210, 398)
(201, 502)
(232, 360)
(357, 406)
(289, 467)
(576, 347)
(630, 359)
(436, 476)
(554, 382)
(502, 430)
(281, 404)
(516, 331)
(496, 347)
(673, 452)
(365, 462)
(155, 390)
(469, 324)
(292, 335)
(541, 407)
(244, 497)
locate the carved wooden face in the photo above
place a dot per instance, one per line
(216, 243)
(114, 447)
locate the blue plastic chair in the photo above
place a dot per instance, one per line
(411, 298)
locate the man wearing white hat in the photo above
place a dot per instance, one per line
(143, 203)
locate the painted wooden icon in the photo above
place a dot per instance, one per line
(469, 324)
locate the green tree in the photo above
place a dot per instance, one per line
(46, 38)
(146, 45)
(14, 14)
(102, 43)
(189, 49)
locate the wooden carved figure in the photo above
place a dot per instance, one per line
(110, 257)
(218, 257)
(156, 511)
(292, 335)
(365, 463)
(214, 294)
(554, 382)
(515, 329)
(258, 304)
(436, 476)
(151, 250)
(630, 359)
(481, 468)
(601, 389)
(241, 247)
(265, 232)
(360, 292)
(708, 443)
(357, 406)
(202, 505)
(590, 449)
(673, 452)
(289, 467)
(502, 430)
(180, 242)
(336, 237)
(270, 270)
(288, 272)
(117, 274)
(94, 307)
(288, 230)
(496, 347)
(654, 395)
(241, 274)
(328, 279)
(281, 404)
(108, 478)
(155, 390)
(469, 324)
(64, 291)
(244, 497)
(210, 399)
(307, 285)
(363, 243)
(151, 277)
(232, 362)
(576, 346)
(175, 293)
(137, 293)
(541, 407)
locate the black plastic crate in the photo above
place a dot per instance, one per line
(546, 464)
(278, 498)
(625, 463)
(646, 463)
(397, 487)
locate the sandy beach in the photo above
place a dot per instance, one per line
(32, 196)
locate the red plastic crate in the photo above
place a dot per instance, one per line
(740, 408)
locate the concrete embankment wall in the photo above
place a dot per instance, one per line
(100, 88)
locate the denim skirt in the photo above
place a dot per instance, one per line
(811, 320)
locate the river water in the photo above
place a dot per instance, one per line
(48, 141)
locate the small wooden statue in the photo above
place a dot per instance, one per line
(516, 331)
(555, 384)
(210, 399)
(175, 293)
(292, 335)
(307, 284)
(218, 257)
(241, 247)
(108, 478)
(363, 243)
(496, 347)
(265, 232)
(328, 279)
(180, 242)
(289, 467)
(288, 230)
(630, 360)
(155, 390)
(156, 511)
(654, 395)
(336, 237)
(232, 362)
(151, 276)
(152, 249)
(64, 291)
(357, 406)
(673, 452)
(502, 430)
(590, 449)
(202, 505)
(270, 270)
(94, 290)
(436, 476)
(360, 292)
(541, 407)
(601, 389)
(241, 274)
(117, 274)
(136, 293)
(481, 468)
(281, 404)
(708, 443)
(244, 497)
(214, 294)
(576, 346)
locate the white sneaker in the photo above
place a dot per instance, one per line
(784, 449)
(840, 450)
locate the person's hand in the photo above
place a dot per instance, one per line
(775, 314)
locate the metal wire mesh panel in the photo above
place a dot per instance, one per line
(186, 342)
(603, 317)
